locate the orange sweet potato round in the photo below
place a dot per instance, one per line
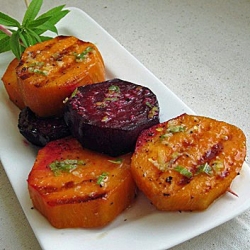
(11, 85)
(48, 72)
(187, 162)
(74, 187)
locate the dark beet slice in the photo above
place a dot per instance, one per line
(108, 117)
(40, 131)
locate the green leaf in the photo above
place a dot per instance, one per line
(29, 33)
(50, 24)
(34, 35)
(56, 17)
(30, 39)
(8, 21)
(53, 28)
(38, 22)
(45, 38)
(45, 27)
(23, 39)
(32, 11)
(2, 34)
(4, 44)
(51, 12)
(15, 45)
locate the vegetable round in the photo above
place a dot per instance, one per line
(39, 131)
(187, 162)
(109, 116)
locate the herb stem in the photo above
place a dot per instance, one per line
(27, 3)
(6, 31)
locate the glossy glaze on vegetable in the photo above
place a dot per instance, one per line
(188, 162)
(109, 116)
(39, 131)
(49, 71)
(75, 187)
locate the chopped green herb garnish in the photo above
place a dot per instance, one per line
(114, 88)
(176, 129)
(217, 166)
(102, 178)
(116, 161)
(105, 118)
(80, 57)
(38, 71)
(72, 95)
(149, 105)
(153, 112)
(74, 92)
(36, 64)
(183, 171)
(204, 168)
(164, 136)
(111, 99)
(57, 167)
(100, 104)
(175, 155)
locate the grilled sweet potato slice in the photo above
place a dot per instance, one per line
(188, 162)
(11, 85)
(48, 72)
(74, 187)
(108, 116)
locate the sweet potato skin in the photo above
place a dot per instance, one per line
(75, 198)
(48, 72)
(194, 143)
(11, 85)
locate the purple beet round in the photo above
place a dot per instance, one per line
(39, 131)
(108, 117)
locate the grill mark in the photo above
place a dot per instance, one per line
(74, 200)
(211, 153)
(78, 199)
(184, 181)
(47, 56)
(52, 45)
(51, 48)
(25, 75)
(68, 185)
(208, 156)
(71, 48)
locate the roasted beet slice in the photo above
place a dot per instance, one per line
(40, 131)
(108, 117)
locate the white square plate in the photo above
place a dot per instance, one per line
(141, 226)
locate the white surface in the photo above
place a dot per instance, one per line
(199, 49)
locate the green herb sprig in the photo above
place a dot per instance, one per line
(18, 36)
